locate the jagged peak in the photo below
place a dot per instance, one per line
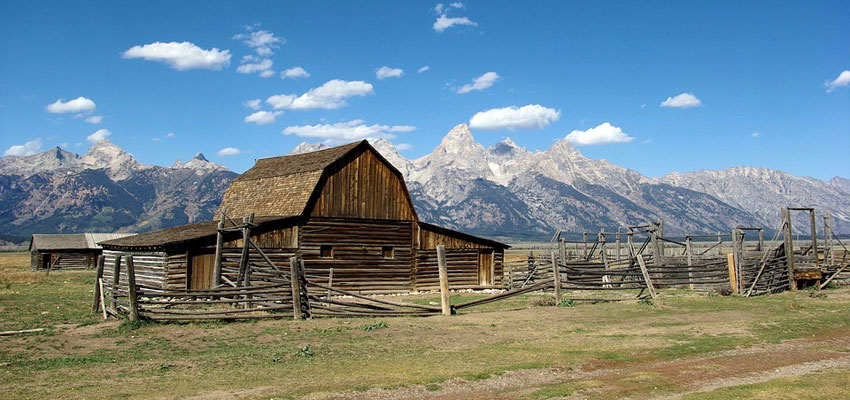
(509, 142)
(305, 147)
(200, 157)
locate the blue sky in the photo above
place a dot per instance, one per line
(749, 83)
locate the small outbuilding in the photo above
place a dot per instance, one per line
(68, 251)
(345, 211)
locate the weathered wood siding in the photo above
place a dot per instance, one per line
(462, 265)
(67, 259)
(357, 247)
(430, 239)
(281, 238)
(362, 186)
(261, 271)
(150, 267)
(175, 274)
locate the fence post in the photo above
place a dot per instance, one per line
(789, 248)
(719, 242)
(689, 250)
(131, 289)
(814, 237)
(828, 255)
(330, 281)
(98, 275)
(294, 280)
(737, 258)
(656, 243)
(556, 273)
(730, 262)
(116, 278)
(445, 300)
(219, 244)
(601, 239)
(584, 239)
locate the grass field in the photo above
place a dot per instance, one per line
(791, 345)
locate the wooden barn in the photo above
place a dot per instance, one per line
(345, 211)
(68, 251)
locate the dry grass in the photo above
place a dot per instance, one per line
(78, 357)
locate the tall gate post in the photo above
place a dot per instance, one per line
(131, 289)
(295, 284)
(789, 247)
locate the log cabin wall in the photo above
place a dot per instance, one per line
(464, 256)
(67, 259)
(462, 268)
(368, 256)
(362, 186)
(150, 268)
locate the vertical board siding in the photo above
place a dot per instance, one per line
(363, 187)
(357, 260)
(430, 239)
(150, 268)
(200, 271)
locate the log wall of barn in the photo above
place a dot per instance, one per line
(362, 186)
(150, 268)
(461, 265)
(359, 253)
(67, 259)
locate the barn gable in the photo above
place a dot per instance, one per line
(350, 181)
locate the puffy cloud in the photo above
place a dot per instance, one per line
(755, 135)
(843, 80)
(480, 83)
(684, 100)
(263, 117)
(252, 104)
(532, 116)
(330, 95)
(347, 131)
(602, 134)
(294, 72)
(181, 56)
(457, 4)
(228, 151)
(170, 135)
(444, 22)
(99, 135)
(261, 41)
(251, 64)
(26, 149)
(387, 72)
(423, 69)
(78, 105)
(94, 119)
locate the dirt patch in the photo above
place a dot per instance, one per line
(620, 378)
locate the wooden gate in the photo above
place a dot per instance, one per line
(485, 267)
(200, 271)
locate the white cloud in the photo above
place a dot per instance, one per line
(423, 69)
(228, 151)
(156, 139)
(263, 117)
(684, 100)
(444, 22)
(78, 105)
(403, 146)
(251, 64)
(387, 72)
(843, 80)
(252, 104)
(94, 119)
(170, 135)
(457, 4)
(602, 134)
(99, 135)
(755, 134)
(181, 56)
(294, 72)
(347, 131)
(532, 116)
(330, 95)
(26, 149)
(480, 83)
(261, 41)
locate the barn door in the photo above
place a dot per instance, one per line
(46, 258)
(200, 271)
(485, 267)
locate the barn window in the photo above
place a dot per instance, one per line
(326, 251)
(387, 252)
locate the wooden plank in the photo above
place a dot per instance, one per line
(445, 300)
(296, 288)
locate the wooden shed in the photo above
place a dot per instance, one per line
(68, 251)
(344, 209)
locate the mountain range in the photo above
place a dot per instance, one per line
(500, 191)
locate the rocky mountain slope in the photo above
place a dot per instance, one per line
(504, 191)
(105, 190)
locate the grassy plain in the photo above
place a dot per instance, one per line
(692, 345)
